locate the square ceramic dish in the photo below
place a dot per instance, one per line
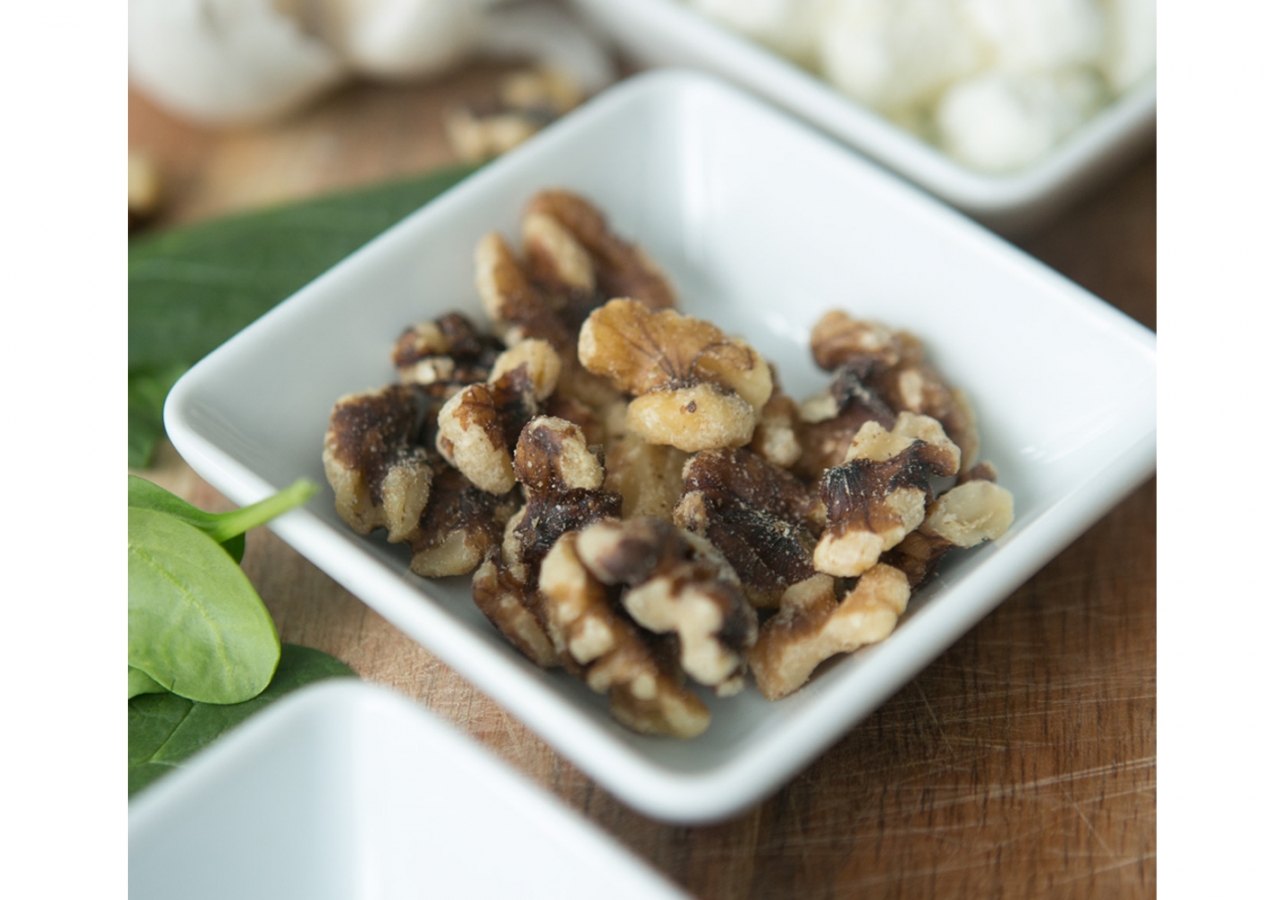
(763, 225)
(669, 33)
(326, 795)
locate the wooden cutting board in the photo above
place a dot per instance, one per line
(1021, 763)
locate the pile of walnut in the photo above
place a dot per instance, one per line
(640, 502)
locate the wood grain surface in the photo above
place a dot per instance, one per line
(1021, 763)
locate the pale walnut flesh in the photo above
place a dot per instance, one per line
(672, 584)
(609, 652)
(878, 495)
(378, 460)
(479, 426)
(695, 388)
(445, 351)
(811, 627)
(762, 518)
(972, 512)
(775, 437)
(648, 476)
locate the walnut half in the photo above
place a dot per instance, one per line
(694, 388)
(879, 494)
(812, 627)
(610, 653)
(480, 424)
(674, 583)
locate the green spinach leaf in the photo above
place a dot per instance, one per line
(192, 288)
(165, 729)
(142, 683)
(226, 528)
(196, 625)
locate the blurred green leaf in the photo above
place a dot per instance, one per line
(193, 287)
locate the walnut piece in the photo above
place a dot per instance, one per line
(459, 525)
(891, 364)
(562, 481)
(759, 516)
(572, 264)
(378, 460)
(974, 511)
(648, 476)
(621, 269)
(448, 351)
(695, 389)
(609, 653)
(674, 583)
(831, 419)
(775, 436)
(479, 425)
(811, 627)
(879, 493)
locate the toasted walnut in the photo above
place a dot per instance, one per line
(448, 351)
(695, 389)
(673, 583)
(563, 486)
(831, 419)
(891, 364)
(811, 627)
(879, 493)
(460, 524)
(479, 426)
(621, 269)
(502, 596)
(562, 482)
(840, 340)
(648, 476)
(378, 460)
(608, 651)
(974, 511)
(775, 436)
(540, 87)
(572, 264)
(759, 516)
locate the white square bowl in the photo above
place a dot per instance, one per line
(669, 33)
(763, 225)
(350, 792)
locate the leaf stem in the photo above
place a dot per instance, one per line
(228, 525)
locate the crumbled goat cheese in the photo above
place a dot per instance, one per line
(995, 83)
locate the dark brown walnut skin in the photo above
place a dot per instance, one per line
(674, 583)
(621, 269)
(829, 422)
(378, 457)
(562, 481)
(561, 494)
(878, 495)
(448, 350)
(762, 518)
(459, 525)
(891, 364)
